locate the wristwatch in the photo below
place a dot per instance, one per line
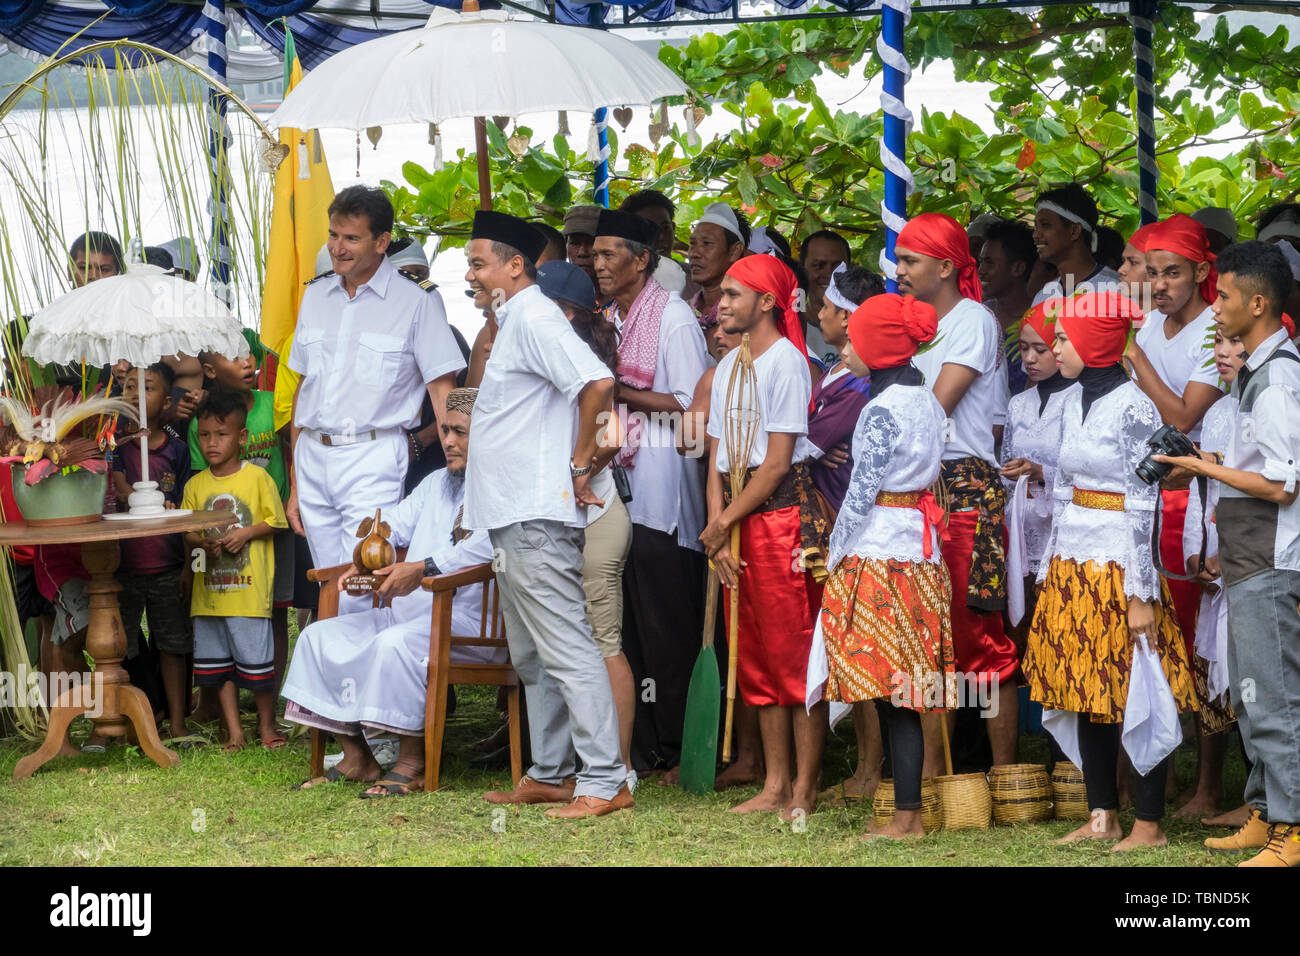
(430, 569)
(579, 472)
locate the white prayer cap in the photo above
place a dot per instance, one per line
(760, 242)
(184, 256)
(412, 254)
(1284, 226)
(1219, 219)
(720, 214)
(1292, 258)
(323, 261)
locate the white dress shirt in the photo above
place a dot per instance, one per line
(365, 360)
(524, 430)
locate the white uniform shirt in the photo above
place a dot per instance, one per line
(667, 491)
(364, 361)
(523, 418)
(968, 335)
(1187, 357)
(783, 391)
(1103, 279)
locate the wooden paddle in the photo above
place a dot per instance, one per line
(703, 697)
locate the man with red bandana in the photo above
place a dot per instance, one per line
(962, 368)
(1172, 359)
(779, 595)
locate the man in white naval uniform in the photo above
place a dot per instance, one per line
(369, 341)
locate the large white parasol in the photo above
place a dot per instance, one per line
(141, 315)
(474, 64)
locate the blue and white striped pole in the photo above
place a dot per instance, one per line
(214, 24)
(894, 16)
(1140, 14)
(600, 176)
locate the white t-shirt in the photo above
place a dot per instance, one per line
(1185, 358)
(969, 335)
(1103, 279)
(783, 390)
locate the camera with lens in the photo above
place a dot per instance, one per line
(1171, 443)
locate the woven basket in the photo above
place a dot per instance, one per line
(1068, 792)
(882, 806)
(966, 802)
(1021, 793)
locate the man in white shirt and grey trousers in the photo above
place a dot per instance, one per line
(526, 484)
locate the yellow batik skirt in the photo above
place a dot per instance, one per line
(888, 632)
(1078, 654)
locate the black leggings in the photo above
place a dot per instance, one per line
(1099, 748)
(906, 752)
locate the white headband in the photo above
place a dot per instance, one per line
(411, 254)
(759, 241)
(1072, 217)
(833, 294)
(720, 214)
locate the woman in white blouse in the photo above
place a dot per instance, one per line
(885, 623)
(1101, 593)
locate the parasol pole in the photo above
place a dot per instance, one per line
(144, 425)
(480, 138)
(600, 171)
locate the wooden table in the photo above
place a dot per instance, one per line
(120, 705)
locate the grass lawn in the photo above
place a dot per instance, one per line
(119, 809)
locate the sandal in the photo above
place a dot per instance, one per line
(332, 775)
(274, 743)
(394, 784)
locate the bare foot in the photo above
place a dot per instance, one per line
(1104, 825)
(670, 777)
(904, 825)
(1145, 833)
(738, 775)
(205, 715)
(769, 800)
(1233, 818)
(800, 806)
(851, 790)
(68, 750)
(1200, 805)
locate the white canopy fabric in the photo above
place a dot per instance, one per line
(475, 64)
(140, 315)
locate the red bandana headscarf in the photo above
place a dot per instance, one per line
(1043, 320)
(1141, 240)
(1184, 236)
(1097, 323)
(942, 237)
(886, 330)
(770, 274)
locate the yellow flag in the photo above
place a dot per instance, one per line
(299, 227)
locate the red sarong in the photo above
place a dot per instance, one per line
(981, 644)
(1186, 594)
(779, 602)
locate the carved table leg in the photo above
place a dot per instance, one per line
(71, 703)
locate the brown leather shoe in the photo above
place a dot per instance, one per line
(588, 806)
(532, 791)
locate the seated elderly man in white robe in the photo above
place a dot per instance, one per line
(369, 669)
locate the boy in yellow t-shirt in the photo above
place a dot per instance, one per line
(231, 602)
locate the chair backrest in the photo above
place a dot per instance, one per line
(491, 631)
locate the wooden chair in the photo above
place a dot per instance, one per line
(442, 672)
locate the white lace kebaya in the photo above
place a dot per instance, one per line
(897, 446)
(1100, 453)
(1037, 438)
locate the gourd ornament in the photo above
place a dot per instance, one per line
(372, 552)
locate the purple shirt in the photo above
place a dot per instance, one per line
(170, 467)
(836, 407)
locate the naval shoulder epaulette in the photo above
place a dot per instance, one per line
(323, 275)
(428, 285)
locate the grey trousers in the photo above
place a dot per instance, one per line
(570, 704)
(1264, 681)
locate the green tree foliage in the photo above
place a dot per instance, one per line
(1064, 103)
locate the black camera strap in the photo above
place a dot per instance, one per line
(1203, 492)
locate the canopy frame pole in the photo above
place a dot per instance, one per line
(214, 25)
(894, 17)
(600, 119)
(1141, 13)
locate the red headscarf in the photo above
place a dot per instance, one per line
(942, 237)
(886, 330)
(1097, 323)
(1142, 238)
(1288, 323)
(770, 274)
(1042, 319)
(1184, 236)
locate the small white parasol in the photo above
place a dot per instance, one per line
(141, 315)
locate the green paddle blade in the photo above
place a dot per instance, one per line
(700, 733)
